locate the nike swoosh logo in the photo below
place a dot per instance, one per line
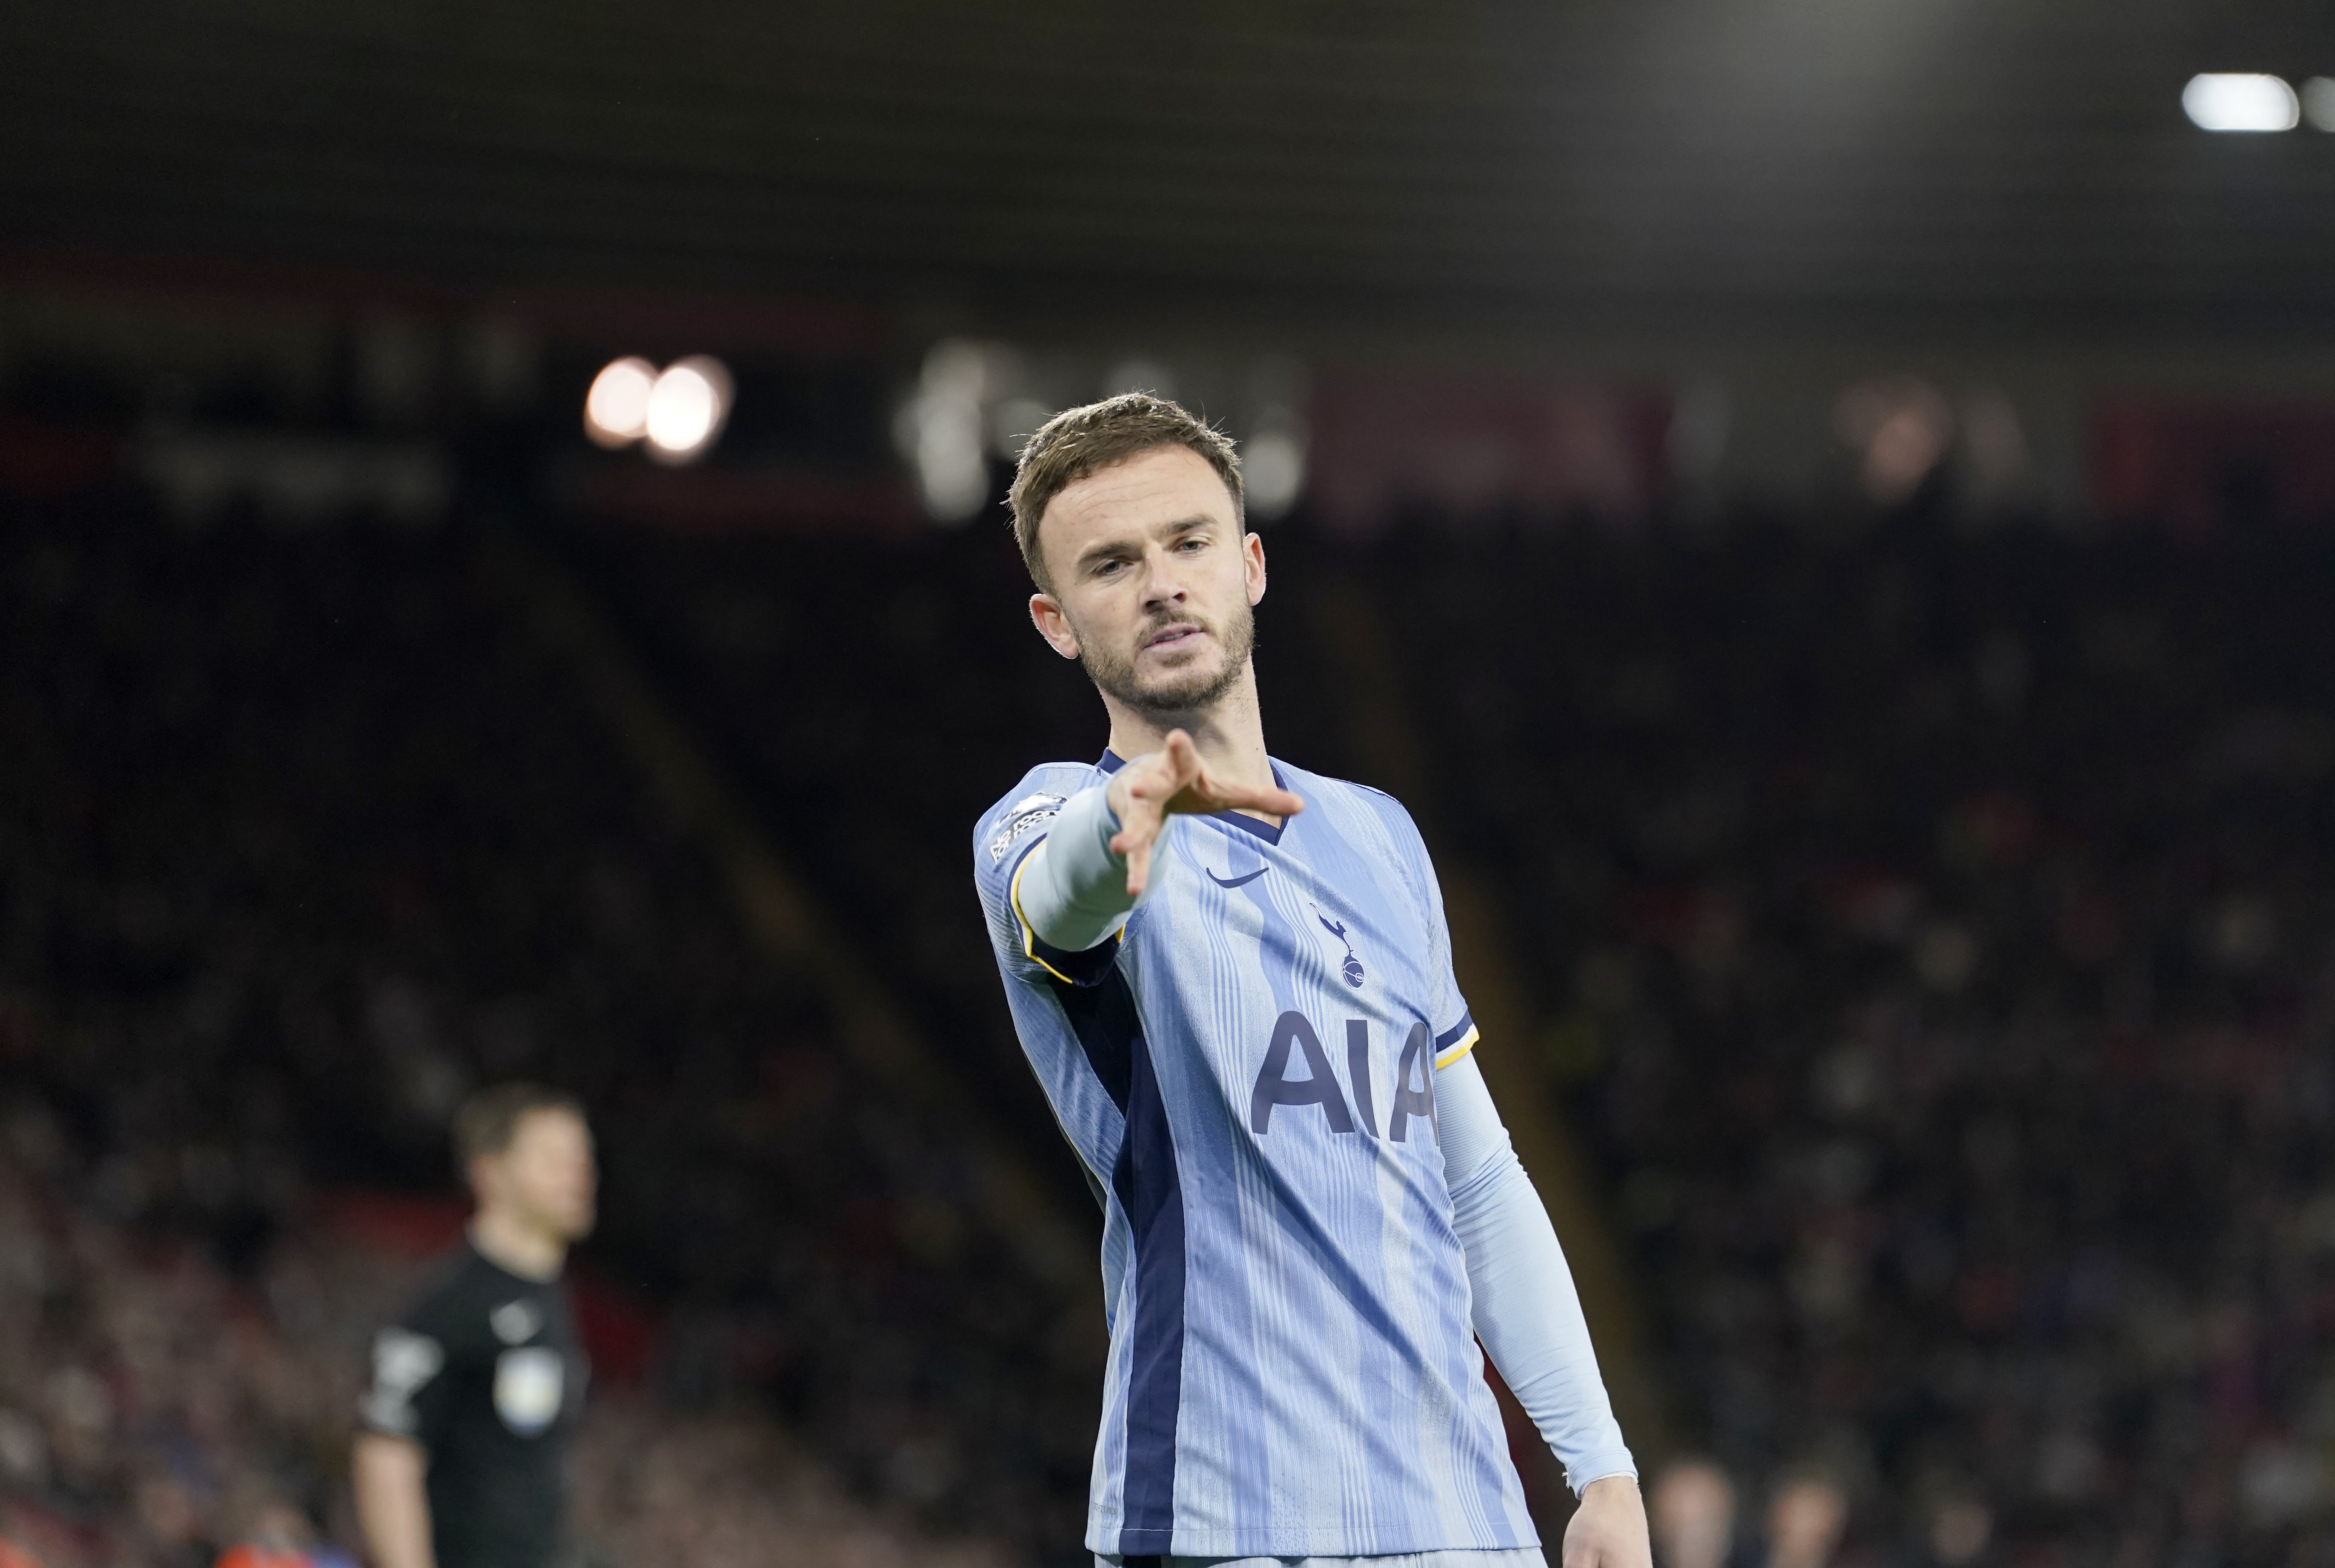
(1236, 881)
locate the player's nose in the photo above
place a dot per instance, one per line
(1162, 583)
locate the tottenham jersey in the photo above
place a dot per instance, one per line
(1248, 1071)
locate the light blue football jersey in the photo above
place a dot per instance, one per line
(1248, 1072)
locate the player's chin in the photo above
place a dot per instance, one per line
(1181, 699)
(1169, 686)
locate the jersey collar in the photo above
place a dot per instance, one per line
(1111, 762)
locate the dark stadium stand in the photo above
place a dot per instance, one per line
(1824, 511)
(304, 835)
(1927, 924)
(1934, 929)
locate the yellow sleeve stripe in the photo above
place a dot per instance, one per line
(1029, 937)
(1467, 1043)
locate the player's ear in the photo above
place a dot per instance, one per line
(1046, 614)
(1253, 566)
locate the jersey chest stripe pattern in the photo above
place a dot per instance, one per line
(1247, 1073)
(1149, 1190)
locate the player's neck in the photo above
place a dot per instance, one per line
(516, 1246)
(1229, 734)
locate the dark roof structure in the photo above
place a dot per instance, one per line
(1743, 156)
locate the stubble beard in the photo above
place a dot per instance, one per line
(1182, 692)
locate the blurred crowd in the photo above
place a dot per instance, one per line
(158, 1409)
(1930, 927)
(1927, 921)
(153, 1408)
(1695, 1518)
(1936, 937)
(303, 837)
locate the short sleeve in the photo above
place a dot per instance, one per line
(1454, 1025)
(411, 1391)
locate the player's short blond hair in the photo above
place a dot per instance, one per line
(1079, 441)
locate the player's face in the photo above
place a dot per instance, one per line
(1154, 583)
(548, 1176)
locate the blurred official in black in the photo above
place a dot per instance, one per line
(461, 1463)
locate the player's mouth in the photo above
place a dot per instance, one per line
(1168, 639)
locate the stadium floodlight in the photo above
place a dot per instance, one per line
(616, 408)
(2318, 101)
(1272, 456)
(1273, 464)
(941, 427)
(2240, 101)
(686, 408)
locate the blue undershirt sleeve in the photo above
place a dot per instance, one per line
(1527, 1311)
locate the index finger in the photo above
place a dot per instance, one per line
(1260, 798)
(1141, 823)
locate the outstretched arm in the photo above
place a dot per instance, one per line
(1072, 889)
(1077, 887)
(1175, 781)
(1528, 1316)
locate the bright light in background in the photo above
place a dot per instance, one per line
(2319, 103)
(975, 404)
(1272, 458)
(942, 429)
(616, 408)
(1272, 472)
(686, 408)
(2233, 101)
(677, 410)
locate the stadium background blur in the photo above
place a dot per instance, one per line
(1825, 511)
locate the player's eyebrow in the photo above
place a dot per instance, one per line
(1102, 550)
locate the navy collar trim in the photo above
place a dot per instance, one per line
(1111, 762)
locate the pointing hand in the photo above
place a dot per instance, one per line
(1171, 781)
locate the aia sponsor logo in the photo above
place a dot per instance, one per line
(1295, 1041)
